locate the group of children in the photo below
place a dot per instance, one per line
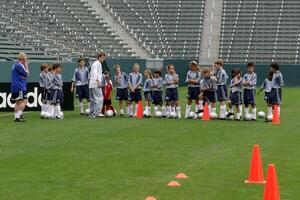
(51, 86)
(207, 85)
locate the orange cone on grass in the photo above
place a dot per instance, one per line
(256, 174)
(139, 114)
(205, 116)
(271, 188)
(150, 198)
(174, 184)
(276, 118)
(181, 176)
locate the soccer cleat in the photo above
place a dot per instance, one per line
(59, 117)
(229, 115)
(19, 120)
(199, 111)
(100, 115)
(81, 114)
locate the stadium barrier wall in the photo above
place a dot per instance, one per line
(290, 72)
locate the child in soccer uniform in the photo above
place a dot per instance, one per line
(43, 82)
(108, 88)
(171, 84)
(208, 87)
(147, 88)
(57, 91)
(157, 85)
(135, 84)
(277, 84)
(267, 87)
(193, 79)
(249, 83)
(236, 90)
(221, 77)
(80, 80)
(122, 84)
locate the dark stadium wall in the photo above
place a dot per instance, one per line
(290, 72)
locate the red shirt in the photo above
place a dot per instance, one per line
(108, 90)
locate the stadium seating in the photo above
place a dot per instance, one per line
(260, 31)
(55, 29)
(166, 28)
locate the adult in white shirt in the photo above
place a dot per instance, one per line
(96, 96)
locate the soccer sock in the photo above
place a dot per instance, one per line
(278, 110)
(81, 107)
(178, 109)
(254, 113)
(88, 105)
(122, 111)
(57, 109)
(43, 107)
(17, 115)
(163, 108)
(172, 109)
(214, 110)
(246, 111)
(231, 110)
(270, 110)
(128, 110)
(187, 110)
(168, 110)
(200, 105)
(52, 110)
(222, 111)
(241, 110)
(149, 110)
(155, 108)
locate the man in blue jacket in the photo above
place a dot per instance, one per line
(20, 72)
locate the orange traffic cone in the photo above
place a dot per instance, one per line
(139, 114)
(276, 118)
(173, 184)
(256, 174)
(271, 189)
(181, 176)
(206, 113)
(150, 198)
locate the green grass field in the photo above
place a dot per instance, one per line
(116, 159)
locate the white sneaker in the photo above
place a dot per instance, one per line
(100, 115)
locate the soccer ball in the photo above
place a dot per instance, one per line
(214, 115)
(158, 114)
(109, 113)
(173, 115)
(191, 115)
(87, 111)
(248, 117)
(270, 118)
(43, 114)
(200, 115)
(47, 115)
(261, 114)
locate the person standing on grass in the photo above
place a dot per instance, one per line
(20, 72)
(95, 86)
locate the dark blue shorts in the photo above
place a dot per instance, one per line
(267, 97)
(249, 96)
(122, 94)
(135, 96)
(275, 96)
(44, 94)
(236, 98)
(157, 98)
(209, 96)
(57, 96)
(171, 94)
(148, 96)
(21, 95)
(193, 93)
(82, 92)
(222, 93)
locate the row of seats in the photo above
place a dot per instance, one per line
(165, 28)
(260, 31)
(56, 29)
